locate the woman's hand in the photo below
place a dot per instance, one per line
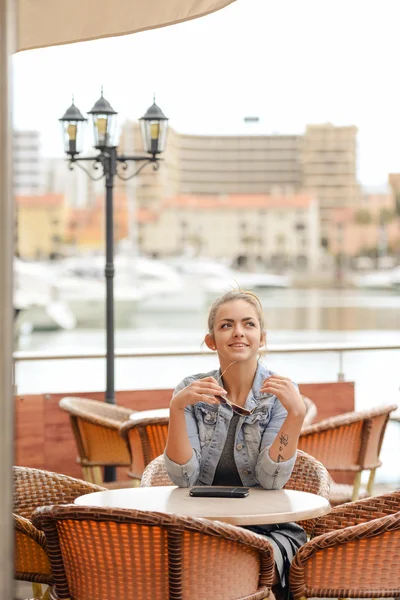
(286, 392)
(201, 390)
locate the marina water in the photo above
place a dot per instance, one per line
(294, 317)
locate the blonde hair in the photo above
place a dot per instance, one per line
(249, 297)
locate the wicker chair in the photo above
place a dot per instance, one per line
(96, 427)
(311, 411)
(146, 433)
(356, 553)
(308, 475)
(349, 443)
(34, 488)
(135, 555)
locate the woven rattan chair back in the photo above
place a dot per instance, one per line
(349, 443)
(147, 437)
(155, 473)
(34, 488)
(356, 513)
(309, 475)
(311, 411)
(96, 426)
(101, 553)
(354, 554)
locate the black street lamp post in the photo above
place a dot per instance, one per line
(154, 126)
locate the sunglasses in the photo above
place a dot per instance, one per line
(237, 409)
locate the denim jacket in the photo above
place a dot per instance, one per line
(207, 427)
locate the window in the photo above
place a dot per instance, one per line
(301, 261)
(300, 226)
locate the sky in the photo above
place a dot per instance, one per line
(288, 62)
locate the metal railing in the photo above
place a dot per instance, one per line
(340, 349)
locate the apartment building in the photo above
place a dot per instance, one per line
(27, 164)
(329, 168)
(239, 164)
(274, 230)
(322, 162)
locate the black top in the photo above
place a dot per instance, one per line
(226, 472)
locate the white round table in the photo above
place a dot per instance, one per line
(155, 413)
(259, 507)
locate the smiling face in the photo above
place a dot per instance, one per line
(237, 333)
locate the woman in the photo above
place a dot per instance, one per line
(238, 425)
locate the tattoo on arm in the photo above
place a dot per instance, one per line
(284, 439)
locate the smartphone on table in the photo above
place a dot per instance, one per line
(210, 491)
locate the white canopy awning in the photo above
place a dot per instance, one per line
(52, 22)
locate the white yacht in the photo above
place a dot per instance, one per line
(140, 285)
(216, 277)
(37, 301)
(385, 279)
(396, 279)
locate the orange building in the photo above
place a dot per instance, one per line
(86, 226)
(40, 225)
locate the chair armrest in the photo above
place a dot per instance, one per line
(331, 423)
(26, 527)
(353, 562)
(31, 562)
(95, 411)
(355, 513)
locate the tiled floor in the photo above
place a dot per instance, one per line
(23, 590)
